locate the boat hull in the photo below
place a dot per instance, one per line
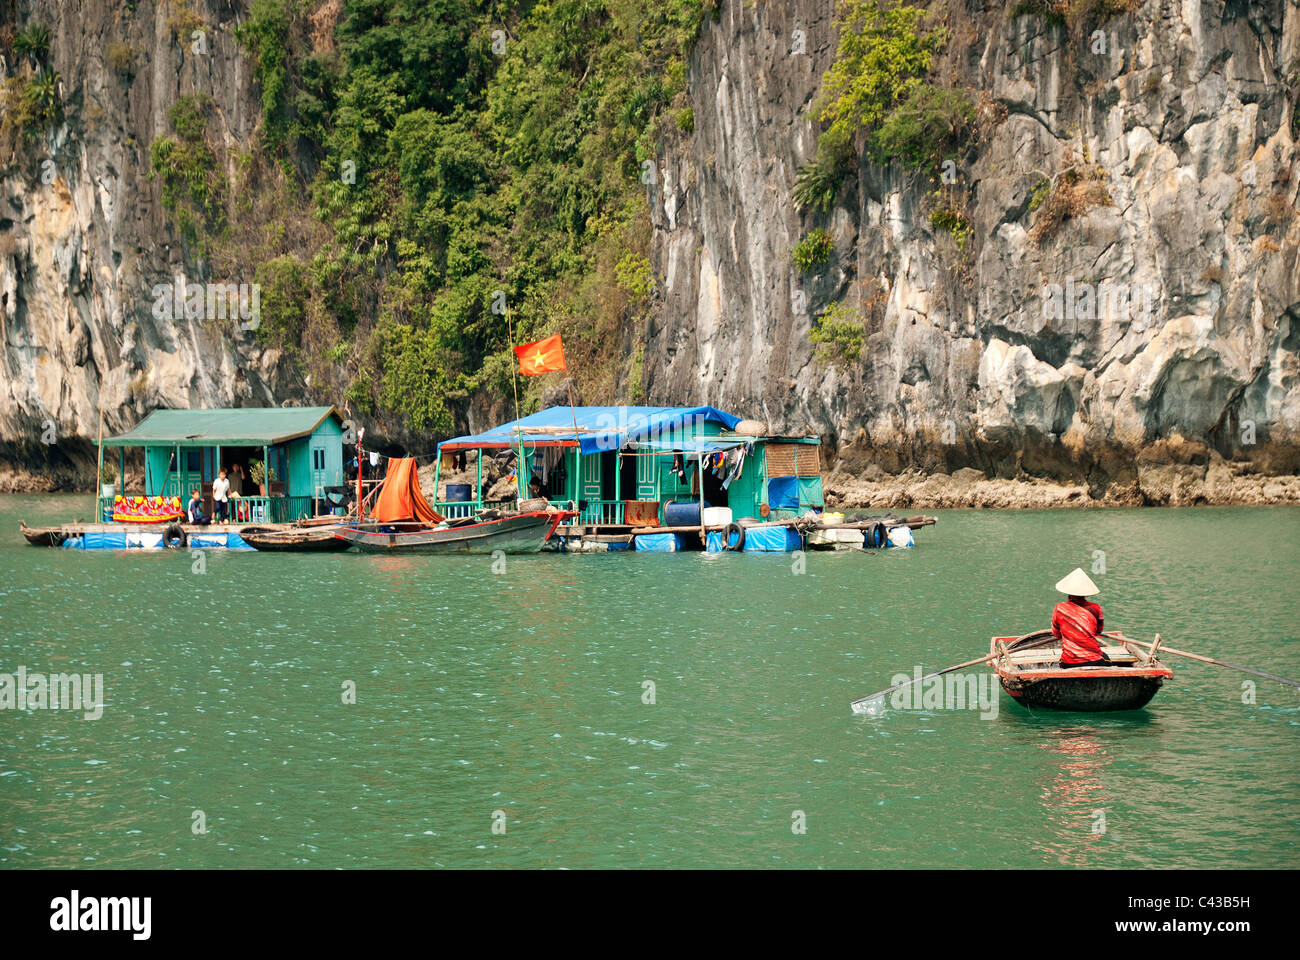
(298, 540)
(1084, 694)
(517, 533)
(1031, 675)
(43, 536)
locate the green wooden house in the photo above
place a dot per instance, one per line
(301, 448)
(614, 464)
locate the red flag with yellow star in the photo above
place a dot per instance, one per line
(541, 357)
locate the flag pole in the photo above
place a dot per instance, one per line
(577, 460)
(514, 383)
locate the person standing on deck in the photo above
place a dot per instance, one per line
(1077, 622)
(220, 496)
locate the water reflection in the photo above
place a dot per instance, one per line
(1076, 798)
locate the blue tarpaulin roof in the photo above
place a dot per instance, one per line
(599, 428)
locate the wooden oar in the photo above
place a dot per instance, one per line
(1016, 644)
(1210, 660)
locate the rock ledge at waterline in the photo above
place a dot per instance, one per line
(1174, 485)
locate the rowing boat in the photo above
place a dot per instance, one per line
(1031, 673)
(316, 539)
(42, 536)
(512, 533)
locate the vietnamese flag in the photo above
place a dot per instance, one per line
(541, 357)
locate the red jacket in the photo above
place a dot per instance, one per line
(1076, 623)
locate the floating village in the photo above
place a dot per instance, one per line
(566, 479)
(580, 480)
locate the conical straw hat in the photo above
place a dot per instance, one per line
(1077, 584)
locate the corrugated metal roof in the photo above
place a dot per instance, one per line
(230, 426)
(599, 428)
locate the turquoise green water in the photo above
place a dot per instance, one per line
(522, 692)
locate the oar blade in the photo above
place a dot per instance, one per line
(870, 707)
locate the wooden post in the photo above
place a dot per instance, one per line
(519, 431)
(568, 381)
(699, 471)
(437, 473)
(361, 507)
(478, 482)
(100, 470)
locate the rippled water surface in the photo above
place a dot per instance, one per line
(522, 692)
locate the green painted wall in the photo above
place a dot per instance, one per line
(298, 462)
(156, 460)
(745, 494)
(292, 461)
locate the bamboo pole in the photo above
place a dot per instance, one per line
(577, 457)
(99, 471)
(361, 510)
(514, 385)
(699, 474)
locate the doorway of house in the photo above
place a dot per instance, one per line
(617, 477)
(236, 461)
(714, 494)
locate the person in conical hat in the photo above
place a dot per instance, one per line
(1077, 622)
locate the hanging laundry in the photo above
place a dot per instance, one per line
(735, 464)
(374, 458)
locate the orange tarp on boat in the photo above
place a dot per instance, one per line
(400, 498)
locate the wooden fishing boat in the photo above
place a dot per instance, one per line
(511, 533)
(1030, 671)
(42, 536)
(315, 538)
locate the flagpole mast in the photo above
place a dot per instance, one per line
(514, 383)
(577, 460)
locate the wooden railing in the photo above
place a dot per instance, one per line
(590, 512)
(452, 509)
(600, 512)
(268, 509)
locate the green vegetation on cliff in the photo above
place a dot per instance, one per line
(877, 94)
(437, 163)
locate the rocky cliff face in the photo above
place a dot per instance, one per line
(1155, 330)
(84, 238)
(1148, 344)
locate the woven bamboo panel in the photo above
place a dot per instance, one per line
(810, 461)
(781, 459)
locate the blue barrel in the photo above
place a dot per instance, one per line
(459, 492)
(683, 513)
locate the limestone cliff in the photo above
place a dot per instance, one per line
(84, 238)
(1185, 112)
(1183, 117)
